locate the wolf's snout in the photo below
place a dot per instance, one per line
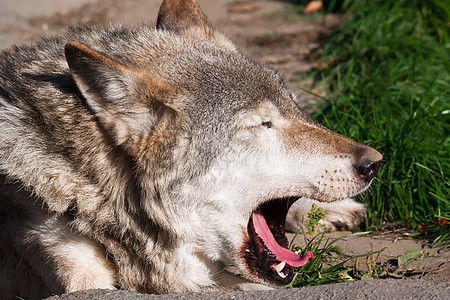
(368, 162)
(368, 169)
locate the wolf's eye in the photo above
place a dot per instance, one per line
(267, 124)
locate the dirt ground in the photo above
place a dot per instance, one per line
(271, 32)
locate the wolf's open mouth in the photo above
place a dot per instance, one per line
(266, 253)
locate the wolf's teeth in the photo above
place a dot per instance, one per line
(279, 267)
(281, 274)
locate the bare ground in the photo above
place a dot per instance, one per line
(270, 32)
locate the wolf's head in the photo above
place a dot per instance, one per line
(220, 147)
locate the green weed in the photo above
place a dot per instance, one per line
(321, 269)
(315, 215)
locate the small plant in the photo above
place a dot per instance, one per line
(315, 215)
(319, 270)
(374, 271)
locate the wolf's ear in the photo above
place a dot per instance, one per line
(186, 17)
(125, 100)
(178, 15)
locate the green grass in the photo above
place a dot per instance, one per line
(390, 89)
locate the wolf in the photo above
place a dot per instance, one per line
(158, 159)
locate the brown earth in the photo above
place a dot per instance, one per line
(271, 32)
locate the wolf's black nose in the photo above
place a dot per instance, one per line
(368, 169)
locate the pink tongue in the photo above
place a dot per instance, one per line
(281, 254)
